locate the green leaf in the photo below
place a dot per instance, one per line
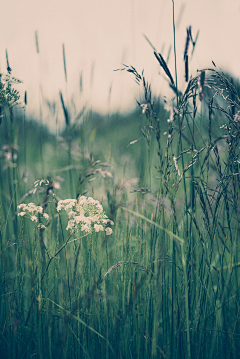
(82, 322)
(154, 223)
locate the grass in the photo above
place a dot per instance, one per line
(165, 284)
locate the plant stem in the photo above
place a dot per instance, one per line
(64, 245)
(175, 52)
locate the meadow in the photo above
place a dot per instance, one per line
(164, 283)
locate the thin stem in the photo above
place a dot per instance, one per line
(183, 255)
(175, 52)
(186, 301)
(64, 245)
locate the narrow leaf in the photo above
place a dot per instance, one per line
(82, 322)
(64, 63)
(154, 223)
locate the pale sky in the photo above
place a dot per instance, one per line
(100, 35)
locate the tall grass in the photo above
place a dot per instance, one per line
(165, 284)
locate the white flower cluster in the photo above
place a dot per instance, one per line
(32, 211)
(85, 214)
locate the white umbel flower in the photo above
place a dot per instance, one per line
(85, 214)
(35, 213)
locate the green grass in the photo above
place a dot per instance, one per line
(165, 284)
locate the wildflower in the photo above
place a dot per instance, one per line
(71, 214)
(98, 227)
(45, 215)
(22, 214)
(32, 208)
(70, 224)
(40, 210)
(85, 227)
(22, 205)
(33, 212)
(85, 214)
(66, 204)
(108, 231)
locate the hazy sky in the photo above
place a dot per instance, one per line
(100, 35)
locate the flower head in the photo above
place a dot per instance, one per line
(35, 213)
(85, 214)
